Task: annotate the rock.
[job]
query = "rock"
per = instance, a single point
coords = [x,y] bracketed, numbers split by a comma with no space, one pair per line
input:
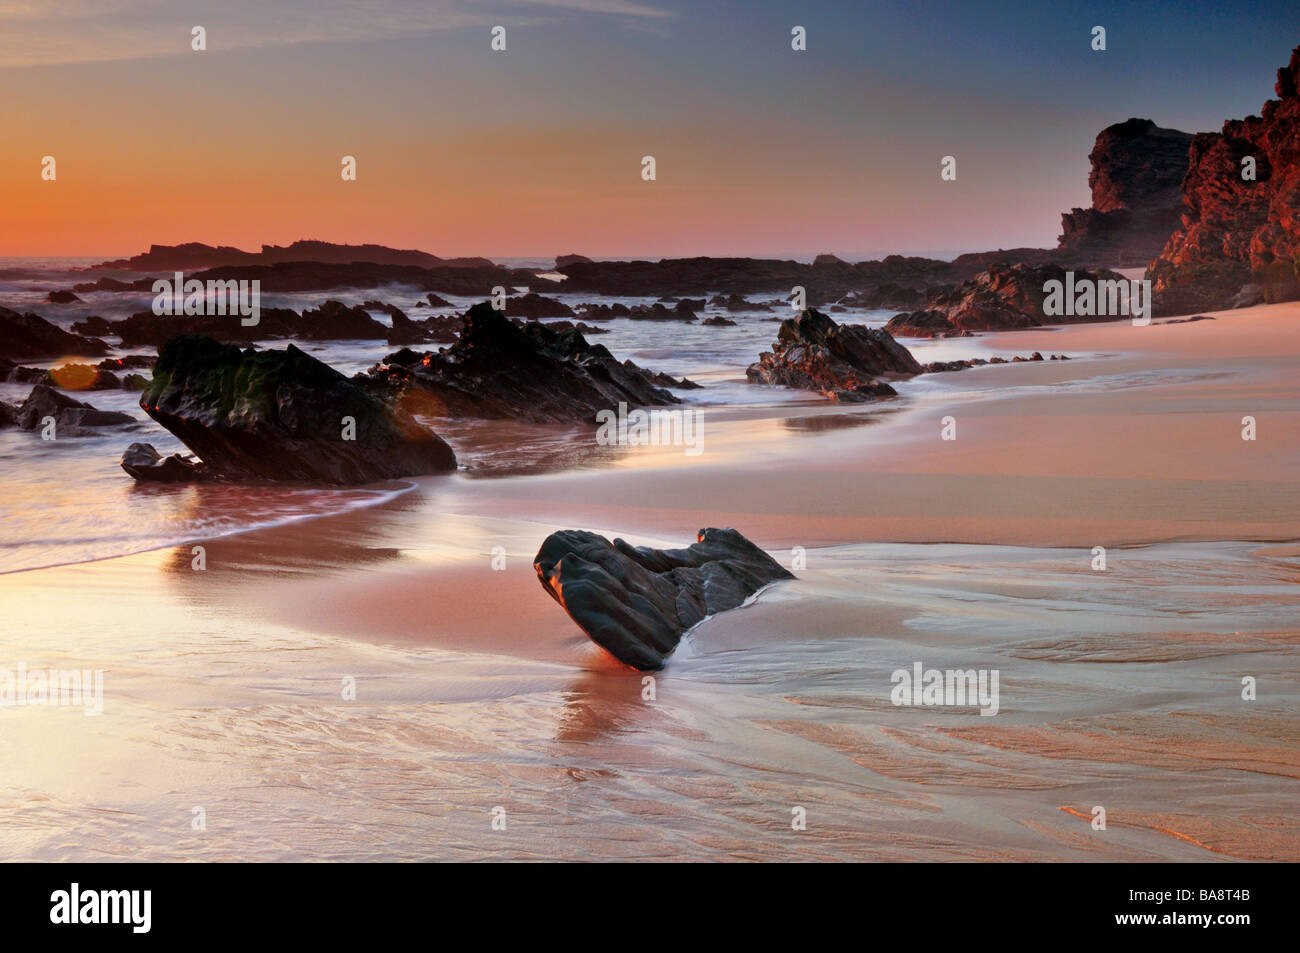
[1001,298]
[27,336]
[437,302]
[841,361]
[657,312]
[533,306]
[281,415]
[736,302]
[604,312]
[93,325]
[562,260]
[8,414]
[1238,232]
[61,297]
[636,602]
[194,255]
[71,417]
[498,369]
[405,331]
[1137,200]
[147,465]
[334,321]
[474,277]
[719,321]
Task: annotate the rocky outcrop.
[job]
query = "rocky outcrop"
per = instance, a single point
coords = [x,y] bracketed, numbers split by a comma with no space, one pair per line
[533,306]
[1000,299]
[846,362]
[1239,243]
[283,415]
[499,369]
[192,255]
[636,602]
[300,276]
[29,336]
[62,297]
[1137,199]
[72,418]
[562,260]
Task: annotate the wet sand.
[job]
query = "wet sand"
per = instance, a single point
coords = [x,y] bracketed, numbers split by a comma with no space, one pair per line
[1121,689]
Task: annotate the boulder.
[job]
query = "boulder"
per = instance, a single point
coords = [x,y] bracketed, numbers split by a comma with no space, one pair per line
[636,602]
[533,306]
[283,415]
[845,362]
[27,336]
[71,416]
[499,369]
[147,465]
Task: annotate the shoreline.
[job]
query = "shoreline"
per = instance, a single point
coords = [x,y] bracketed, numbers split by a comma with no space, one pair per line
[473,689]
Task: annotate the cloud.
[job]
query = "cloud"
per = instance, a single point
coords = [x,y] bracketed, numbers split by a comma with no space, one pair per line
[50,32]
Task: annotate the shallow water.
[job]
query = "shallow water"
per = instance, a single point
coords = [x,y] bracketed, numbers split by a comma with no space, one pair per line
[68,500]
[216,699]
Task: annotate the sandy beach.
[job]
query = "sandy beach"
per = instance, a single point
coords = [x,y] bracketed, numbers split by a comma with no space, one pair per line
[1122,688]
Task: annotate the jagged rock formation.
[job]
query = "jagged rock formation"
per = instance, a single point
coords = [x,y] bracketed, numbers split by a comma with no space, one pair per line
[282,415]
[1239,243]
[499,369]
[29,336]
[636,602]
[1137,198]
[845,362]
[1002,298]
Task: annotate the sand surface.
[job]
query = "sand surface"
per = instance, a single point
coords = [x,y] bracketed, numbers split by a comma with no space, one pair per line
[1119,689]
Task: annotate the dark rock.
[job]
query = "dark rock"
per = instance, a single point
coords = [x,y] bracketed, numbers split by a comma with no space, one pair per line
[533,306]
[71,417]
[562,260]
[279,415]
[61,297]
[498,369]
[842,361]
[27,336]
[93,325]
[8,414]
[1137,201]
[192,255]
[719,321]
[147,465]
[636,602]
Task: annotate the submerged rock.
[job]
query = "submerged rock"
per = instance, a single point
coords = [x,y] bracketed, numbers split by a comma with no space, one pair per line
[147,465]
[283,415]
[636,602]
[28,336]
[71,416]
[843,361]
[498,369]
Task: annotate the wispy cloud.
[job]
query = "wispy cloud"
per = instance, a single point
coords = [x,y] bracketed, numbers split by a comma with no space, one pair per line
[50,32]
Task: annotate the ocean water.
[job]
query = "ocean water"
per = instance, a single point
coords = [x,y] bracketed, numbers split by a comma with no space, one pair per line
[68,500]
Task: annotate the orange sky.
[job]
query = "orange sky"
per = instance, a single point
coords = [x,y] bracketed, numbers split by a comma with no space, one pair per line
[536,151]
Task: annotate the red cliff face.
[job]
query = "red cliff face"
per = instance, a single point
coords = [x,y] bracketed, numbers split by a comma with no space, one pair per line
[1240,238]
[1137,199]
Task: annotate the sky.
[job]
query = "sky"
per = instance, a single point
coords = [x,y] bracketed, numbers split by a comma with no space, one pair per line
[537,150]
